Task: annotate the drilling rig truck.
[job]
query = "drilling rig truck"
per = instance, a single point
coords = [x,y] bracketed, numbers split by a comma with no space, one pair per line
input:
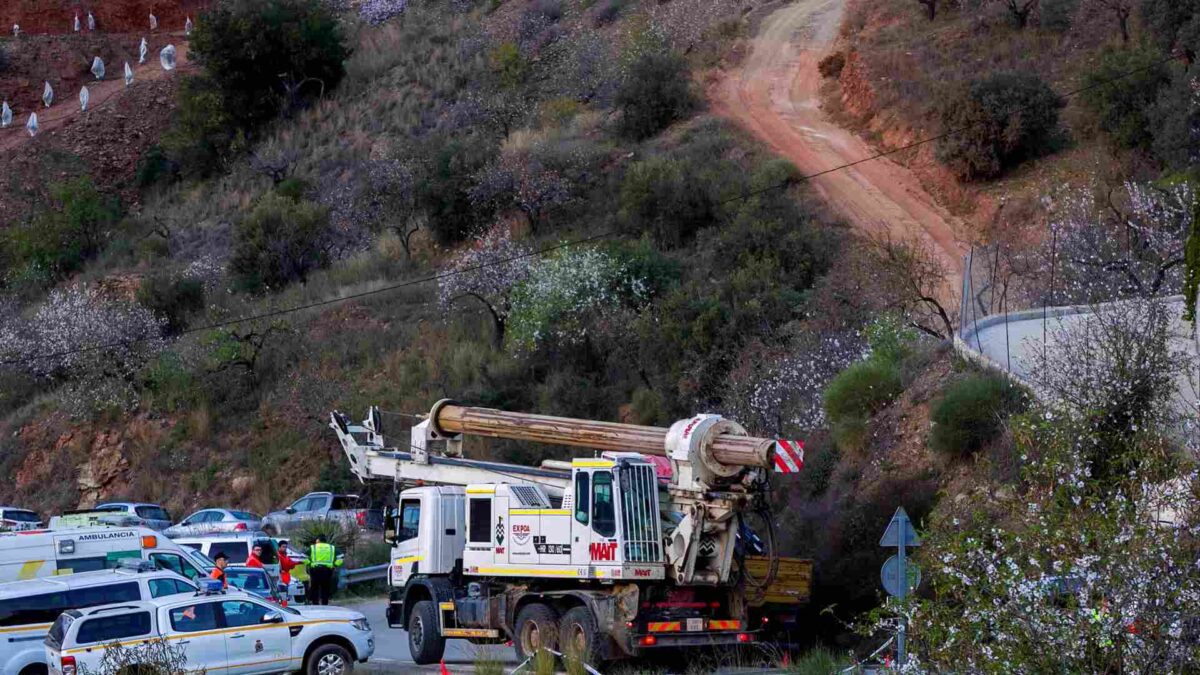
[645,545]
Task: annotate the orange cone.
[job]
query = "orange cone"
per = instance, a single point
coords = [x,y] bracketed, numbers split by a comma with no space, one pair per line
[444,671]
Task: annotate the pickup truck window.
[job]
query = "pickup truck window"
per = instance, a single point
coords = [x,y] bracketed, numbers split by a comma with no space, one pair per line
[116,627]
[306,504]
[240,613]
[163,587]
[343,502]
[152,513]
[410,519]
[193,618]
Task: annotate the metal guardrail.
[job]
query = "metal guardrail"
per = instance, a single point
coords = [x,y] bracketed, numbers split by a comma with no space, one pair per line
[361,574]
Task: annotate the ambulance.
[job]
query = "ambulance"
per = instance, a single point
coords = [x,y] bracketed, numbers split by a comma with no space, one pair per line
[43,553]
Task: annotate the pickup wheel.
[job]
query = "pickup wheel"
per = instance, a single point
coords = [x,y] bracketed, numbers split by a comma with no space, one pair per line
[537,628]
[329,659]
[425,641]
[580,636]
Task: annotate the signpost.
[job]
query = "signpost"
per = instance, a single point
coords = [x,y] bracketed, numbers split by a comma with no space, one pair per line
[899,576]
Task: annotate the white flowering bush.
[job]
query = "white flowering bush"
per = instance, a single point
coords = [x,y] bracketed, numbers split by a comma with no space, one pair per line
[376,12]
[94,346]
[564,291]
[487,271]
[1071,573]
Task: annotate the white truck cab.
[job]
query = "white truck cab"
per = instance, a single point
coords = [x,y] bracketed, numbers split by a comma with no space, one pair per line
[28,608]
[220,633]
[44,553]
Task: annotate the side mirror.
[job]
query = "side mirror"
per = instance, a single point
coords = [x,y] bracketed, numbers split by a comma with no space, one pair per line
[273,617]
[289,510]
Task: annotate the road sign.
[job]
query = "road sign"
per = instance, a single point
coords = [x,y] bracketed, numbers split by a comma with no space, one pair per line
[891,536]
[890,575]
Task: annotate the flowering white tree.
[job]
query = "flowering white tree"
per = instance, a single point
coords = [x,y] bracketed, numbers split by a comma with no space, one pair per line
[1073,574]
[93,345]
[1128,244]
[488,270]
[564,291]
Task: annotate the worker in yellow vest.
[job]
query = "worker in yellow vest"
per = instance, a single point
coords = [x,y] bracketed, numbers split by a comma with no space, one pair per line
[322,559]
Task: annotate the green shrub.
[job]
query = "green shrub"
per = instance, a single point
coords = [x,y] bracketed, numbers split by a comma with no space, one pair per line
[971,412]
[445,195]
[995,123]
[172,297]
[1124,87]
[1173,23]
[334,532]
[1174,121]
[890,339]
[818,661]
[507,63]
[267,56]
[861,390]
[278,242]
[167,386]
[60,239]
[832,65]
[202,134]
[655,92]
[663,198]
[154,167]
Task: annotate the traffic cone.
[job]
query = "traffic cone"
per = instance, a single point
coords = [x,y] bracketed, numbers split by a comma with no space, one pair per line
[444,671]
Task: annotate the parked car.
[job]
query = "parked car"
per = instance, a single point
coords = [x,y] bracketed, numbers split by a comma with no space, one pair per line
[218,632]
[255,581]
[13,519]
[28,608]
[152,516]
[215,520]
[345,509]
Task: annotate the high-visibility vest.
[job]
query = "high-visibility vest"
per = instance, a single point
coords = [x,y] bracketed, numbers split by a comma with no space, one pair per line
[322,555]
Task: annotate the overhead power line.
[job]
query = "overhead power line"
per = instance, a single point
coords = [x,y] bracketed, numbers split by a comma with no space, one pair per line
[791,180]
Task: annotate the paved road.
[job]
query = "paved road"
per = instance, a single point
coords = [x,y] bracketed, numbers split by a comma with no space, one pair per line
[391,647]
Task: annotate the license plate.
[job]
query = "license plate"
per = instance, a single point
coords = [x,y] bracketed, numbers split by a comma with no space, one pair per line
[695,624]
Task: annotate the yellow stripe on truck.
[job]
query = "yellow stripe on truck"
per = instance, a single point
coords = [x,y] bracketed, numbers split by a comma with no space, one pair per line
[724,624]
[27,627]
[202,633]
[539,512]
[29,570]
[409,559]
[530,572]
[664,626]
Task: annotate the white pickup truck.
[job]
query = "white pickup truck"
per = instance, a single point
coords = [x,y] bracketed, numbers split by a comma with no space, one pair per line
[220,633]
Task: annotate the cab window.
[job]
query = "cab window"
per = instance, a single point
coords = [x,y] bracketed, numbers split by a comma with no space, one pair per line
[581,497]
[481,521]
[410,519]
[42,608]
[109,628]
[174,563]
[240,613]
[193,618]
[604,515]
[164,587]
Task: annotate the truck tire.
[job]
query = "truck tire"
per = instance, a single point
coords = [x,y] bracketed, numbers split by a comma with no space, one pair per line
[537,627]
[425,641]
[329,659]
[580,637]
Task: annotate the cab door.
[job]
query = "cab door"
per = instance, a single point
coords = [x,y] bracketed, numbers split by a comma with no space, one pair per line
[253,644]
[594,519]
[194,628]
[407,554]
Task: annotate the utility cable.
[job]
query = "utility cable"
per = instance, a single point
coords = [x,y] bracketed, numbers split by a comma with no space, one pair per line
[791,180]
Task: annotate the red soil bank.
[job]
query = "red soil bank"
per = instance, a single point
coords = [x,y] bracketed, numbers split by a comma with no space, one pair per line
[112,16]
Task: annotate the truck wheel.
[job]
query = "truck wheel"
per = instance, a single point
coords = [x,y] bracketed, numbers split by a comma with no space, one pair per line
[579,636]
[329,659]
[425,641]
[537,628]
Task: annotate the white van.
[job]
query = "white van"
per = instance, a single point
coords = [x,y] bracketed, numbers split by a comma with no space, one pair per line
[45,553]
[237,546]
[28,608]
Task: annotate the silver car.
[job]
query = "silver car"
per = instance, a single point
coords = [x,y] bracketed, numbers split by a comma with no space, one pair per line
[152,516]
[211,521]
[348,510]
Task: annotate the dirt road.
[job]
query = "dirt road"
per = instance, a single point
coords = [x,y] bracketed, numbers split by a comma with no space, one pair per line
[775,95]
[101,95]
